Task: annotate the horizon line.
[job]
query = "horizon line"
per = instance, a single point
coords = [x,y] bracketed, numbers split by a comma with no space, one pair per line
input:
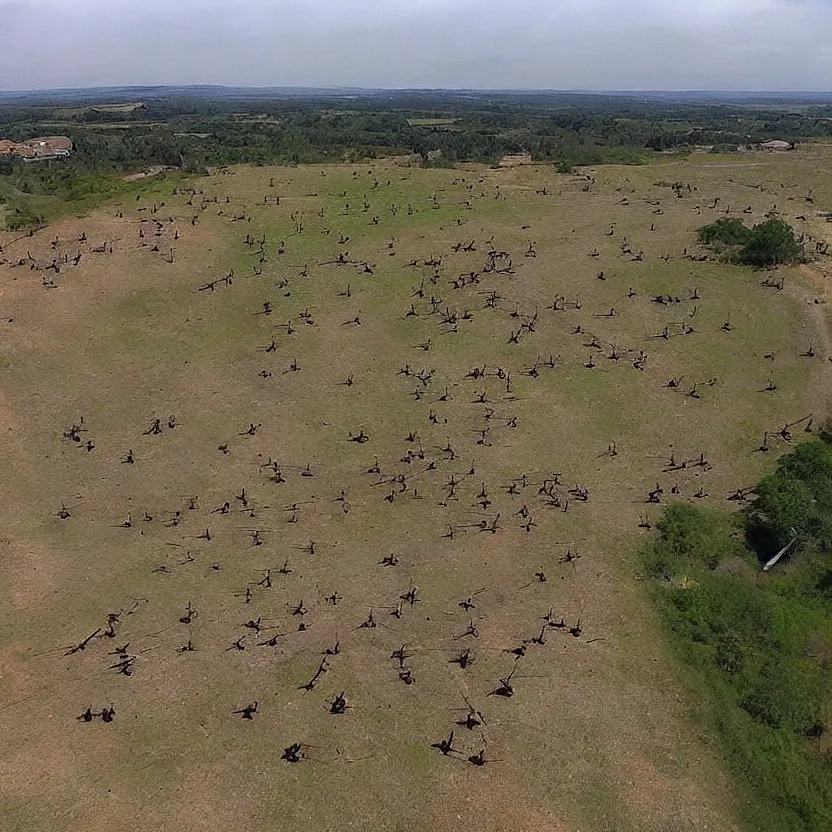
[353,88]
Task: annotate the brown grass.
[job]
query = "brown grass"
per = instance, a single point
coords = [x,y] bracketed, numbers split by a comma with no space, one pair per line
[599,734]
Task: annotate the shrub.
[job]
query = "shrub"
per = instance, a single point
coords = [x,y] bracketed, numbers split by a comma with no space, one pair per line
[697,535]
[770,244]
[21,218]
[725,232]
[796,499]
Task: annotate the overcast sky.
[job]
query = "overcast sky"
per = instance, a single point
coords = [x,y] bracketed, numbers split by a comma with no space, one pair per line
[543,44]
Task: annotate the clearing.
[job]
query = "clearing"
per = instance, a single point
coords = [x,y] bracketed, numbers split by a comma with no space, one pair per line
[263,452]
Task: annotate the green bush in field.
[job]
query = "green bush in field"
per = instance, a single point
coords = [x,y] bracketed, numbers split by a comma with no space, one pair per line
[769,243]
[795,500]
[725,232]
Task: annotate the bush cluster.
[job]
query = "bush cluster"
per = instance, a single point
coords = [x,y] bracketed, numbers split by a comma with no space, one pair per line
[759,643]
[769,243]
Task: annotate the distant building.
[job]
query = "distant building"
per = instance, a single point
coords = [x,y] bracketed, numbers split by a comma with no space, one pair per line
[777,145]
[51,143]
[42,147]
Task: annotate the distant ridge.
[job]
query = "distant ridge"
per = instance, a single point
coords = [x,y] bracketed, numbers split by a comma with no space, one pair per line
[121,93]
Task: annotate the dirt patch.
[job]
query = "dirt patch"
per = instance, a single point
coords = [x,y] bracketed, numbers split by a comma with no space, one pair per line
[154,170]
[30,573]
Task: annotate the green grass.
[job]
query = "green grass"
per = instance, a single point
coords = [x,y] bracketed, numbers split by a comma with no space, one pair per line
[36,197]
[602,811]
[744,638]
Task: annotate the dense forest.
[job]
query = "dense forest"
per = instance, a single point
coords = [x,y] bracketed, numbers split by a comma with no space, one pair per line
[196,132]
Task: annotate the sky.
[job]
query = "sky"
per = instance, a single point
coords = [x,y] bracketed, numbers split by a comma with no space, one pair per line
[474,44]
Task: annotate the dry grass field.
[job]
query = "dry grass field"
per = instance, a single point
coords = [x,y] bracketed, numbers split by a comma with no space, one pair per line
[392,437]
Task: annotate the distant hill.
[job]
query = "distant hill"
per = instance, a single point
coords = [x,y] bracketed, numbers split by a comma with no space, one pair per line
[207,91]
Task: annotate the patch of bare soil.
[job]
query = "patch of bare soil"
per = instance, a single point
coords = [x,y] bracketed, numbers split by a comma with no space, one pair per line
[153,170]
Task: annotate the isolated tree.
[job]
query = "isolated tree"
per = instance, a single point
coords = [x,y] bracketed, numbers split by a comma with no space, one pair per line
[795,500]
[782,508]
[770,243]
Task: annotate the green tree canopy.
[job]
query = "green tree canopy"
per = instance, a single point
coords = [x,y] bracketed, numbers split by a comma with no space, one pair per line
[725,231]
[768,243]
[797,496]
[771,243]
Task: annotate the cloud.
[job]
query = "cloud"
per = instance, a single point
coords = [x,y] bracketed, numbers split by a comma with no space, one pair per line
[572,44]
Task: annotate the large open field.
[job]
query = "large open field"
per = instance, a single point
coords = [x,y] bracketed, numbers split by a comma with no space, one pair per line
[392,437]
